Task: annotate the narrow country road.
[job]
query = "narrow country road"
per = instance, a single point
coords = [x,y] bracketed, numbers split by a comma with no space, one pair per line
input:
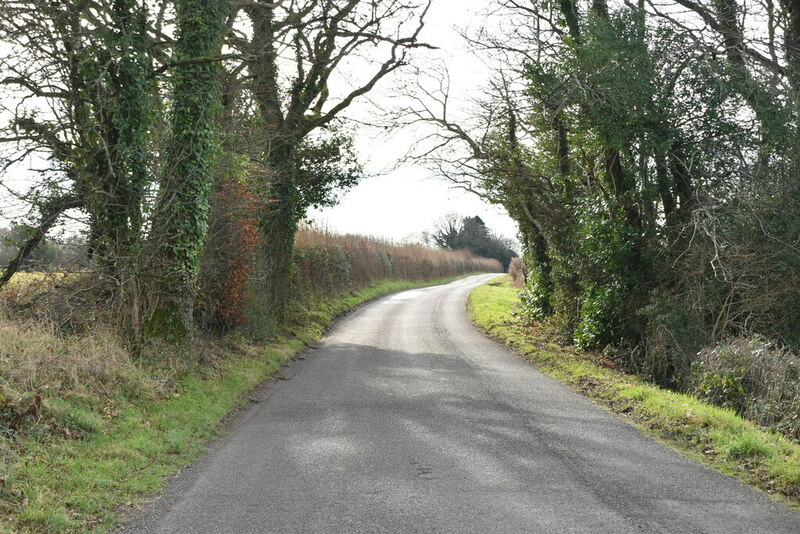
[407,419]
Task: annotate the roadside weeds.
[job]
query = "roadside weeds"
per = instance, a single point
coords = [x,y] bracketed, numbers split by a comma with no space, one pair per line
[713,436]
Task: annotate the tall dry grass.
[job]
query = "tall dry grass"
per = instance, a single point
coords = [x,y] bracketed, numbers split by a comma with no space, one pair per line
[516,270]
[35,357]
[328,262]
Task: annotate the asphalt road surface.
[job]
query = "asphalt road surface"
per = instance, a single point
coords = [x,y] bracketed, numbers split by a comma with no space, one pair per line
[407,419]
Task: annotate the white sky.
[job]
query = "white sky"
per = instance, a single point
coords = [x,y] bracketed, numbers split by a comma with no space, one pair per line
[402,203]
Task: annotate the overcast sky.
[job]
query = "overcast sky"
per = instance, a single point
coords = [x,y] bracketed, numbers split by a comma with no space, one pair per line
[405,202]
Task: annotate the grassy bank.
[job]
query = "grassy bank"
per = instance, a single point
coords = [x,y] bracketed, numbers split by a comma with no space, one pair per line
[75,453]
[714,436]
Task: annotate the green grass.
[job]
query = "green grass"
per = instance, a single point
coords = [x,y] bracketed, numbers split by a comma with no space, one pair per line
[54,484]
[714,436]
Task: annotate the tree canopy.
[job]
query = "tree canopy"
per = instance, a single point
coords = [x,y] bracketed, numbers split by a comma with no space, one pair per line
[649,153]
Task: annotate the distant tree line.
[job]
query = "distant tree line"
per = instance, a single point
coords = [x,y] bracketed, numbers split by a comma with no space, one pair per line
[52,253]
[454,232]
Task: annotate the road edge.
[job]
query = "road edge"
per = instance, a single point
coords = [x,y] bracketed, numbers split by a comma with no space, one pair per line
[687,425]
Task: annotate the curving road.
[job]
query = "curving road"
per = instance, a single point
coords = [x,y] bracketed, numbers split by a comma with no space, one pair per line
[407,419]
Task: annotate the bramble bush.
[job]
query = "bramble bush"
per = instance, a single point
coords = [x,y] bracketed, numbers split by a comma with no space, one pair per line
[754,377]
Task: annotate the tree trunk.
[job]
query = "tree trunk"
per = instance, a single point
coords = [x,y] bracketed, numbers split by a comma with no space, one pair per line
[279,226]
[180,223]
[664,188]
[279,219]
[682,180]
[769,113]
[570,13]
[792,49]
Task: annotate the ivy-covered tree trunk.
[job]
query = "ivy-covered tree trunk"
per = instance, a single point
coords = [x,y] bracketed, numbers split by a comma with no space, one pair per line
[119,200]
[279,218]
[320,35]
[101,142]
[132,82]
[279,226]
[538,267]
[538,271]
[181,220]
[114,88]
[765,103]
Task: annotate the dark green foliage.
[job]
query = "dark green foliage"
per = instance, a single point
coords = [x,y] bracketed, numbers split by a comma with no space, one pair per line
[471,233]
[651,177]
[326,168]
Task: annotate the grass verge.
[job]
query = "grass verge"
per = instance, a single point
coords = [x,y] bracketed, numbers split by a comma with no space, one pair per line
[115,451]
[713,436]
